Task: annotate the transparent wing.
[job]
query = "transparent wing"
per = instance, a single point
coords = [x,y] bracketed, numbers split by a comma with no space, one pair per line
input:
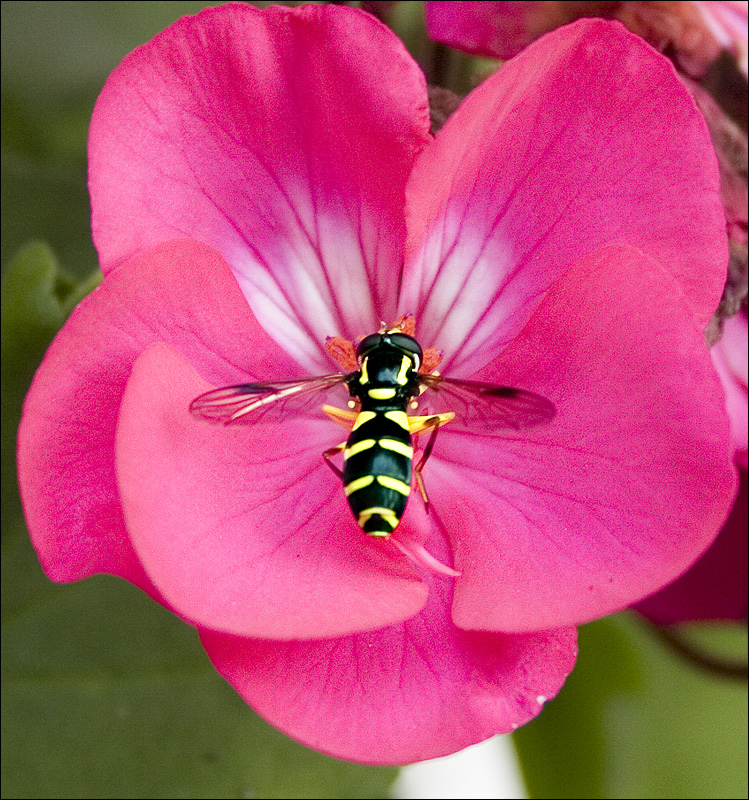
[268,402]
[480,406]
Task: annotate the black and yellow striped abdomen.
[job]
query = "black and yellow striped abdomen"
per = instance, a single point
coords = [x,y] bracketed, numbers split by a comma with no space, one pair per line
[377,469]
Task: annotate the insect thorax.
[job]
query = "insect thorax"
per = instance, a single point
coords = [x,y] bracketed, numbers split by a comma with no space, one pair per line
[387,380]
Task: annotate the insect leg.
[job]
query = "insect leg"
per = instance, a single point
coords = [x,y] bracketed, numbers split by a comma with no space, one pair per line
[420,425]
[341,416]
[328,453]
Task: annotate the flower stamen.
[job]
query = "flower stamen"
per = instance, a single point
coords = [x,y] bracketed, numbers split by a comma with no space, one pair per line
[418,555]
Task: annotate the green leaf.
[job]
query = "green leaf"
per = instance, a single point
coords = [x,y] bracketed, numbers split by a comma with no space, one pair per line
[36,299]
[32,292]
[635,720]
[106,694]
[50,198]
[32,313]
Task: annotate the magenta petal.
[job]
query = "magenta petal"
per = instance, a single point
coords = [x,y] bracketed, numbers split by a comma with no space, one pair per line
[730,360]
[734,346]
[494,29]
[66,438]
[715,588]
[231,128]
[560,152]
[244,529]
[405,693]
[726,21]
[623,490]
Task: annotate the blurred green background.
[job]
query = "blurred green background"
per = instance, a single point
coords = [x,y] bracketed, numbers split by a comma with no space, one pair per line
[105,694]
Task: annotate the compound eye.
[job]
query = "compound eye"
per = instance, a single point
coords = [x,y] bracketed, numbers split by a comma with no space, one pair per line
[368,343]
[408,345]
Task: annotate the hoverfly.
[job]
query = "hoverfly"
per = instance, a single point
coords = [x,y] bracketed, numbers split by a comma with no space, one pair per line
[378,455]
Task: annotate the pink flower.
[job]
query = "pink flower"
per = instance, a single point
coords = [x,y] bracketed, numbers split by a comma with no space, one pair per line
[492,29]
[730,359]
[698,32]
[715,588]
[728,23]
[261,180]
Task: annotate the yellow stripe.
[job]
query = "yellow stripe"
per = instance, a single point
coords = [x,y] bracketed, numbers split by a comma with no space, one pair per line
[406,365]
[363,417]
[358,447]
[399,418]
[397,447]
[394,484]
[364,378]
[384,512]
[387,516]
[359,483]
[381,534]
[381,394]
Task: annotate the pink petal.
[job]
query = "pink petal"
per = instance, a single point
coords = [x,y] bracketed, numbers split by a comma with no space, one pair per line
[715,588]
[244,529]
[623,490]
[408,692]
[728,22]
[734,347]
[562,151]
[231,127]
[181,293]
[736,404]
[494,29]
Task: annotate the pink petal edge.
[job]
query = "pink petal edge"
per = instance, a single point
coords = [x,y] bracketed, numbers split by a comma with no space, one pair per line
[408,692]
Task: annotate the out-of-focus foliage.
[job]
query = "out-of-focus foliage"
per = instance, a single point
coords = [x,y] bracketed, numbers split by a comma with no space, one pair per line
[636,720]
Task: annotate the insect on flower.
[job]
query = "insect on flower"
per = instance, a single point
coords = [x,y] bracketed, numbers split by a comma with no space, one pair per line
[393,372]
